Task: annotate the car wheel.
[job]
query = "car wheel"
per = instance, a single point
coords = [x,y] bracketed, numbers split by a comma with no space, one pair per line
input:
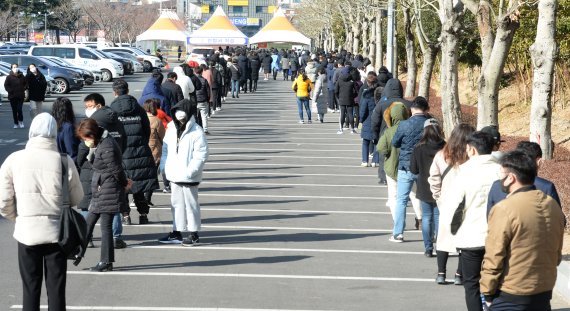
[61,86]
[147,66]
[106,75]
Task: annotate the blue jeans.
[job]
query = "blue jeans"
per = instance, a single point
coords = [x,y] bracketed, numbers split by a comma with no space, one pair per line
[235,87]
[368,146]
[406,181]
[303,101]
[117,225]
[430,221]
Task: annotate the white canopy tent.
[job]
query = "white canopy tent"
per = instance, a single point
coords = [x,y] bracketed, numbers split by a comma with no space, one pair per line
[218,30]
[279,30]
[168,27]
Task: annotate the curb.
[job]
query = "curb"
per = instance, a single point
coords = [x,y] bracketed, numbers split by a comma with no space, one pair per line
[562,286]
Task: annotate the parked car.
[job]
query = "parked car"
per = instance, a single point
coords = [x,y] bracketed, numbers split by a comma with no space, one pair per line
[65,79]
[83,57]
[149,62]
[90,77]
[128,68]
[137,65]
[5,71]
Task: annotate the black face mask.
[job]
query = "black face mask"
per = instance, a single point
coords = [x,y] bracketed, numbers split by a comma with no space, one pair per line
[504,188]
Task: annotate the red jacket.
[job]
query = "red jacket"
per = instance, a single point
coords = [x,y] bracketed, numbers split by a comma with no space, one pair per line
[163,117]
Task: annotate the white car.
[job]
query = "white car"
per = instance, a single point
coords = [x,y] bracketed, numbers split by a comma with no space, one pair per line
[3,74]
[149,62]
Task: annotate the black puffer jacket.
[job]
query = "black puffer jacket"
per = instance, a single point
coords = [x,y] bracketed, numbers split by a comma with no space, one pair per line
[244,67]
[393,92]
[137,158]
[255,63]
[266,63]
[344,90]
[107,119]
[16,85]
[37,86]
[203,94]
[109,179]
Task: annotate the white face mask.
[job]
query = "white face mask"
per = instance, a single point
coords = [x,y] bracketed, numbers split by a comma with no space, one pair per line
[33,70]
[180,116]
[90,111]
[89,143]
[15,70]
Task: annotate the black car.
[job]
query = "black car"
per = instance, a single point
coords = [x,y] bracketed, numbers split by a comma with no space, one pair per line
[65,79]
[128,68]
[88,76]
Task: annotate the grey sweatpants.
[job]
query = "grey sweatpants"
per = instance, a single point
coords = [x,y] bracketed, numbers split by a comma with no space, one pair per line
[203,109]
[185,208]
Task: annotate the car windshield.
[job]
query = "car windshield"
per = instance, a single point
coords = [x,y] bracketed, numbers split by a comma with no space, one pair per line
[48,62]
[125,55]
[99,53]
[139,51]
[202,51]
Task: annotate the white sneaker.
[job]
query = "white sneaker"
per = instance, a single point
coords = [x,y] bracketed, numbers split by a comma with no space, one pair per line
[21,125]
[364,164]
[330,110]
[223,99]
[213,112]
[132,204]
[397,239]
[374,165]
[265,79]
[301,122]
[15,126]
[218,109]
[353,131]
[309,121]
[339,132]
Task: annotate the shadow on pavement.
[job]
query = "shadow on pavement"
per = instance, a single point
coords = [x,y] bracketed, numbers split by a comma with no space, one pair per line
[292,237]
[215,263]
[220,220]
[252,177]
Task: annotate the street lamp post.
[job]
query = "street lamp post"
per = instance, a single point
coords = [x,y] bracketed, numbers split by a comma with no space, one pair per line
[45,27]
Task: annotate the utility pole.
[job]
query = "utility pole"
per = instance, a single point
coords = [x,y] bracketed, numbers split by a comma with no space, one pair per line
[390,40]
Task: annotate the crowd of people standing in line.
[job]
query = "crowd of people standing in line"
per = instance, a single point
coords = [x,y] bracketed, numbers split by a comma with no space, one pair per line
[488,206]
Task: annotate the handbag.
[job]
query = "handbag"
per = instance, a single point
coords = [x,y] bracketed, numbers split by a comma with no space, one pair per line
[458,217]
[72,227]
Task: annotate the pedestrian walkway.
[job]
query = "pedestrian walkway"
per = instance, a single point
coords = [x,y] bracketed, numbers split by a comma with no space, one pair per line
[290,222]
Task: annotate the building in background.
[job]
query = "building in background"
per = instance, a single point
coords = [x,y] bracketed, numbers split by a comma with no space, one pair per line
[248,15]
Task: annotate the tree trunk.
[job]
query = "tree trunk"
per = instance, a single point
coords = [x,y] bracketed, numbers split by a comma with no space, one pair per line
[427,69]
[364,33]
[372,46]
[410,55]
[451,21]
[543,53]
[379,53]
[355,37]
[488,101]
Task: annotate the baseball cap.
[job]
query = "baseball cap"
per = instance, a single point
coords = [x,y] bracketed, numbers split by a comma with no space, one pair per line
[431,121]
[494,132]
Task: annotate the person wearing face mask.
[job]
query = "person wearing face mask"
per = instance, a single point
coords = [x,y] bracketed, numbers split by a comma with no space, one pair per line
[137,157]
[524,241]
[16,86]
[106,118]
[108,187]
[468,200]
[37,86]
[31,195]
[186,149]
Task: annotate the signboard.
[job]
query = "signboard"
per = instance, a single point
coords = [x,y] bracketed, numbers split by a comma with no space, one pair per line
[253,21]
[216,41]
[271,9]
[205,8]
[239,21]
[238,2]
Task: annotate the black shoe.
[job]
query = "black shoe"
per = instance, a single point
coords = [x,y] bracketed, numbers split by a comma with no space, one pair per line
[418,224]
[458,279]
[237,96]
[127,220]
[143,220]
[90,244]
[119,243]
[149,203]
[166,190]
[102,267]
[429,254]
[171,238]
[233,96]
[191,240]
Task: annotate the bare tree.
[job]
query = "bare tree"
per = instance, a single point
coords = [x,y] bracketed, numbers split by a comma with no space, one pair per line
[543,53]
[410,53]
[429,49]
[68,16]
[451,16]
[7,21]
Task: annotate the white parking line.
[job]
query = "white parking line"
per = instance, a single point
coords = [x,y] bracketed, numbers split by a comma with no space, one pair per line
[281,149]
[279,184]
[280,196]
[280,164]
[255,276]
[263,155]
[115,308]
[295,211]
[312,229]
[284,174]
[270,249]
[271,143]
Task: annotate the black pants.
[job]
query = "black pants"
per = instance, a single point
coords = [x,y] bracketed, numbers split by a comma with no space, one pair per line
[471,261]
[214,102]
[332,103]
[35,262]
[275,74]
[501,305]
[347,112]
[285,74]
[107,246]
[293,74]
[381,172]
[442,262]
[140,202]
[253,85]
[17,104]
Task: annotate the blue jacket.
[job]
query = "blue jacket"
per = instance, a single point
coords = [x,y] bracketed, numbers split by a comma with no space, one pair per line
[276,62]
[407,137]
[366,109]
[496,195]
[153,89]
[330,76]
[67,142]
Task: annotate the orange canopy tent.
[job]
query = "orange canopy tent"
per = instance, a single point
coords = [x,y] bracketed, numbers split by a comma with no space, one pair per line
[278,30]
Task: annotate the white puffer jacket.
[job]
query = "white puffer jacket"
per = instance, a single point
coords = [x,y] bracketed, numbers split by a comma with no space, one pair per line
[473,182]
[184,82]
[31,185]
[186,156]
